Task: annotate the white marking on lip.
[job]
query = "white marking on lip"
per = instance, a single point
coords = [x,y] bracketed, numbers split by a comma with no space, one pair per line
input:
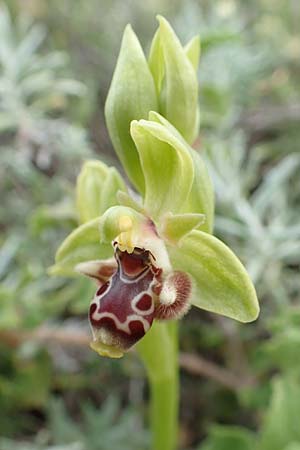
[123,326]
[136,309]
[134,280]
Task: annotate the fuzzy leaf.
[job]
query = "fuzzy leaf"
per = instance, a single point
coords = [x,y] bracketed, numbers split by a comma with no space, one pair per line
[221,283]
[131,96]
[167,166]
[83,244]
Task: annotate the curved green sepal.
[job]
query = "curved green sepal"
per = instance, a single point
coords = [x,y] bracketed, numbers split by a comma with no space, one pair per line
[222,284]
[96,190]
[174,227]
[131,96]
[167,166]
[83,244]
[176,81]
[201,197]
[120,219]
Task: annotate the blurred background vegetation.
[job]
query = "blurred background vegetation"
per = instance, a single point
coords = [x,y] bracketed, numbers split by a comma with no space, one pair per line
[240,384]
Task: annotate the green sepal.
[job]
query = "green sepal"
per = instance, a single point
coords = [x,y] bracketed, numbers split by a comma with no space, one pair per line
[96,190]
[176,81]
[174,227]
[119,219]
[167,166]
[83,244]
[131,96]
[201,197]
[221,283]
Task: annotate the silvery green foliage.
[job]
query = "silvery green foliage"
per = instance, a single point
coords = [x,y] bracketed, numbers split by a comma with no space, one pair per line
[31,84]
[102,428]
[256,213]
[33,87]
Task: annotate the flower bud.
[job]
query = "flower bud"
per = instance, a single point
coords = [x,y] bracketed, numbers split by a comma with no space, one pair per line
[97,187]
[174,70]
[131,96]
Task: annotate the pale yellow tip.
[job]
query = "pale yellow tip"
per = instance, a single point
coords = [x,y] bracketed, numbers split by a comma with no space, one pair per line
[106,350]
[125,223]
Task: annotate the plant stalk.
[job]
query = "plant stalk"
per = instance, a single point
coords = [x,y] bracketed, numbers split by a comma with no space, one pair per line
[159,352]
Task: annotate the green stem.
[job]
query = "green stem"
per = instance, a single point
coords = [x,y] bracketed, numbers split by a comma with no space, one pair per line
[159,352]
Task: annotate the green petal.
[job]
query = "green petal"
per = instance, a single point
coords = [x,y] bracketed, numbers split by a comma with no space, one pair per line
[167,166]
[118,219]
[131,96]
[83,244]
[201,197]
[96,190]
[174,227]
[176,81]
[222,284]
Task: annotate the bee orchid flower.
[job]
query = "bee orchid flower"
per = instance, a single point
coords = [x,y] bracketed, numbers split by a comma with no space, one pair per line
[153,259]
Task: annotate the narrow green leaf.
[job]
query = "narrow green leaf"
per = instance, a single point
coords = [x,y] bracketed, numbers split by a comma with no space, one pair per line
[83,244]
[97,186]
[167,166]
[131,96]
[201,197]
[221,283]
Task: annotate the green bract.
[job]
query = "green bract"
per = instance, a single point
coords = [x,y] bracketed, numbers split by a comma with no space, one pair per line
[167,83]
[176,79]
[131,96]
[167,166]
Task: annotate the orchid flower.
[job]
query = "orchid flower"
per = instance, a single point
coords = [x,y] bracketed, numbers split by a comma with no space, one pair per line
[151,251]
